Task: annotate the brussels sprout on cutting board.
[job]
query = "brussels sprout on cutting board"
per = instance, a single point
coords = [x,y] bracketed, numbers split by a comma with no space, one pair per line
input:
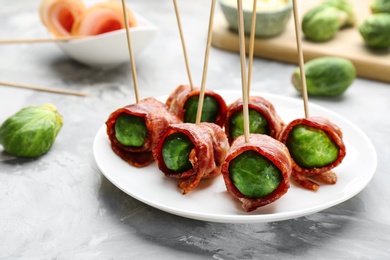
[322,22]
[326,76]
[375,31]
[31,132]
[380,6]
[348,18]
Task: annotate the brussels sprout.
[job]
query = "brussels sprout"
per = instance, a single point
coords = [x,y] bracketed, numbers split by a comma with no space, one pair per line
[380,6]
[311,147]
[258,124]
[210,109]
[321,23]
[375,31]
[176,152]
[254,175]
[348,18]
[31,132]
[326,76]
[130,130]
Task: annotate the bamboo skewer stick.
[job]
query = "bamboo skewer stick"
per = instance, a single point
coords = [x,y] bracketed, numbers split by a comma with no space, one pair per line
[251,45]
[300,57]
[183,44]
[133,69]
[205,66]
[52,90]
[42,40]
[243,69]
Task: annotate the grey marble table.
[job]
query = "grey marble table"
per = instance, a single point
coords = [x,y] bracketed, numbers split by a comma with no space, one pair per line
[60,206]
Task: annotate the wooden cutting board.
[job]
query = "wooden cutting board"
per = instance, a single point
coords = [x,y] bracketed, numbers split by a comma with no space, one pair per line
[348,43]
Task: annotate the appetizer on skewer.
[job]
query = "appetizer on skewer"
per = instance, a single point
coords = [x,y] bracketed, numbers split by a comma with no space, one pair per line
[263,118]
[191,152]
[257,172]
[257,167]
[316,147]
[183,102]
[134,129]
[315,143]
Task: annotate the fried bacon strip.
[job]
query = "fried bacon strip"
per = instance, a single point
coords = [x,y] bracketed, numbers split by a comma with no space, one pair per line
[59,15]
[261,105]
[178,98]
[323,174]
[157,118]
[271,149]
[211,146]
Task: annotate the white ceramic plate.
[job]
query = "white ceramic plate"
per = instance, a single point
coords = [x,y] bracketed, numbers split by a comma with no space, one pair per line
[211,202]
[110,50]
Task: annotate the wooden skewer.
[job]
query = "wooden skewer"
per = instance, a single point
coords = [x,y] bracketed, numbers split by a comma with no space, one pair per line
[300,57]
[205,66]
[243,69]
[251,45]
[183,44]
[52,90]
[133,70]
[39,40]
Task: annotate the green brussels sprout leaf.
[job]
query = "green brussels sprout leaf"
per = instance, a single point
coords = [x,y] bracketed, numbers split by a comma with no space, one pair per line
[210,109]
[130,130]
[258,124]
[311,147]
[176,152]
[254,175]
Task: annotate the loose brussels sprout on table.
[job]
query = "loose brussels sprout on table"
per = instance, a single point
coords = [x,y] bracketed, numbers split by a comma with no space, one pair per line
[322,22]
[31,132]
[375,31]
[326,76]
[380,6]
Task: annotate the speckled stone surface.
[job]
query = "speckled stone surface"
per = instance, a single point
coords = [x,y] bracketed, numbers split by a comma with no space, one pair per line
[60,206]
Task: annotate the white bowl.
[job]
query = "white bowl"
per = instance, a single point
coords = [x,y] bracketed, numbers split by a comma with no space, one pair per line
[269,23]
[110,50]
